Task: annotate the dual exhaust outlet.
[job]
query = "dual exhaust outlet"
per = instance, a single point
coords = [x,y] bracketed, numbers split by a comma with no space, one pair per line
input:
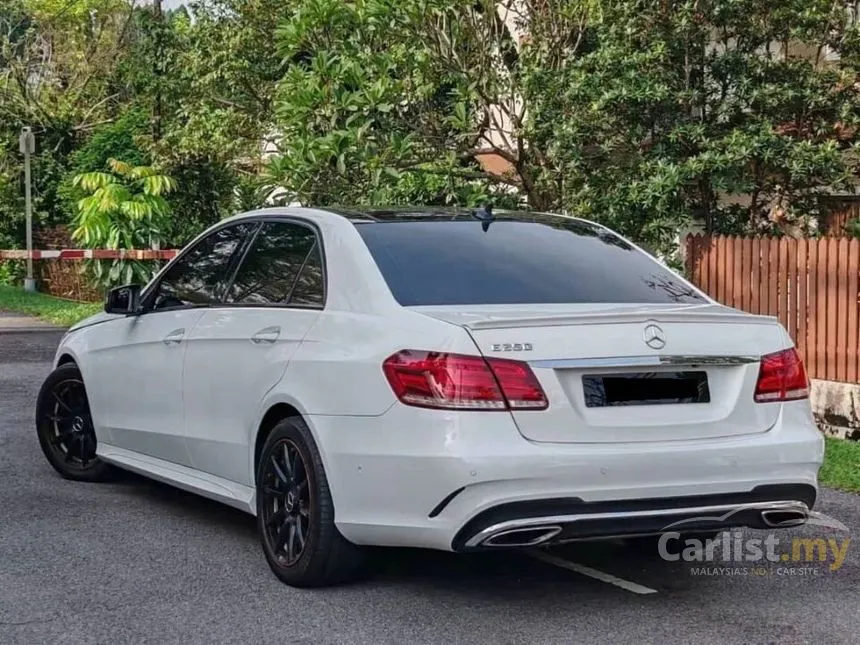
[522,537]
[780,515]
[783,518]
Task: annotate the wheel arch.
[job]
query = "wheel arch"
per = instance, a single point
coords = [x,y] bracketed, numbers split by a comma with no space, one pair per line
[66,358]
[68,351]
[274,412]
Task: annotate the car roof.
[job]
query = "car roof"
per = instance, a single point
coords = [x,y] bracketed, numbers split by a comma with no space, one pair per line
[441,214]
[407,214]
[360,215]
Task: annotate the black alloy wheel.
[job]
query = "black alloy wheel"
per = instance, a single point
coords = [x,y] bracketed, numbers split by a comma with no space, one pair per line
[295,512]
[65,427]
[286,502]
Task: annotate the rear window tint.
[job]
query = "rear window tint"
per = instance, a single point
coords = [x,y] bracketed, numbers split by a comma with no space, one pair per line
[556,260]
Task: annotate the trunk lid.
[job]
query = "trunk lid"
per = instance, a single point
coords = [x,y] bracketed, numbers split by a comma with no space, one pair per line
[571,348]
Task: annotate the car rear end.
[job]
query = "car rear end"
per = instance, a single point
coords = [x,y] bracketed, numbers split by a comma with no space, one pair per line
[605,396]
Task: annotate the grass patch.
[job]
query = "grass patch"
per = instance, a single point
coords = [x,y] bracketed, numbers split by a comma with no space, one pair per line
[841,464]
[50,309]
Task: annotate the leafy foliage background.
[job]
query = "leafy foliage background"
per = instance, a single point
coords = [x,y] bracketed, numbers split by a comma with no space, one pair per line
[644,115]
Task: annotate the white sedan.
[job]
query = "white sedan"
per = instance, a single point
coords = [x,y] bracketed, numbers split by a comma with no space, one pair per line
[456,380]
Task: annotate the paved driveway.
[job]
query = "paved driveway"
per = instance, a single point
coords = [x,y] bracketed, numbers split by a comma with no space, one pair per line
[139,562]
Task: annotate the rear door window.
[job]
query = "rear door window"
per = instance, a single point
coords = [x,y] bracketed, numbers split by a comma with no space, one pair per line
[554,260]
[283,266]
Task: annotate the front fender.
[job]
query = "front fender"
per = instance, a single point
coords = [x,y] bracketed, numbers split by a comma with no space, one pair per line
[65,352]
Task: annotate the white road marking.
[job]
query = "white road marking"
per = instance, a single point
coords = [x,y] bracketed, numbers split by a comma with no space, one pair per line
[591,573]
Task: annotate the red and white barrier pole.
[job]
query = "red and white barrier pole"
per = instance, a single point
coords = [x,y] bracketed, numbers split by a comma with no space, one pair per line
[89,254]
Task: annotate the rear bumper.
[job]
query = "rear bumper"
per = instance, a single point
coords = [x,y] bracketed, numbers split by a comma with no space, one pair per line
[520,524]
[434,479]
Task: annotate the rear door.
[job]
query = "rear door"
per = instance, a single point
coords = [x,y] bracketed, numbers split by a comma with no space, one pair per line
[238,351]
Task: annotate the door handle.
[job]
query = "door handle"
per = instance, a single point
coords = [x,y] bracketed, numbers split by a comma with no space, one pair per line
[174,338]
[266,335]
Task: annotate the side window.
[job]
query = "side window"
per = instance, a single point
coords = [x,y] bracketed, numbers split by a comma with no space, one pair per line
[309,288]
[283,266]
[200,276]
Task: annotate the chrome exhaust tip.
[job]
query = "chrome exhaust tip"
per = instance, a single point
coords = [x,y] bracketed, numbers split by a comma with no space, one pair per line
[783,518]
[531,536]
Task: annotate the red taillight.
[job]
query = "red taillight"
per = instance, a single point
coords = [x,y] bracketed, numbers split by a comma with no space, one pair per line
[781,377]
[460,382]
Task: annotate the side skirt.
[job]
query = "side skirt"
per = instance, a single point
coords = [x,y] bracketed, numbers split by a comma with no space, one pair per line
[193,481]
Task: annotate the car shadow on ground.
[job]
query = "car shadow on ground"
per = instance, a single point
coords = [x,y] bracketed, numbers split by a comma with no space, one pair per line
[176,501]
[508,576]
[501,573]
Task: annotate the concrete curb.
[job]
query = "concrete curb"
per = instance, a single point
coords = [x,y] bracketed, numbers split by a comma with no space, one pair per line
[11,322]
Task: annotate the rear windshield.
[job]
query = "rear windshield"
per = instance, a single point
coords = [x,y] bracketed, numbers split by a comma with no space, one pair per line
[557,260]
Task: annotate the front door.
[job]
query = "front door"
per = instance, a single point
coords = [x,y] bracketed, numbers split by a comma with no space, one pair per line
[135,374]
[134,381]
[239,351]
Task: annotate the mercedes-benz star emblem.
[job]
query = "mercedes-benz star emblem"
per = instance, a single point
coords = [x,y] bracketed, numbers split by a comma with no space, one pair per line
[654,337]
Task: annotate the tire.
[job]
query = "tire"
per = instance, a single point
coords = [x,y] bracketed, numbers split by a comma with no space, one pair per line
[65,429]
[292,490]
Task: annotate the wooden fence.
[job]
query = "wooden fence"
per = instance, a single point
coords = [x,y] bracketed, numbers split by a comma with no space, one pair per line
[811,285]
[841,210]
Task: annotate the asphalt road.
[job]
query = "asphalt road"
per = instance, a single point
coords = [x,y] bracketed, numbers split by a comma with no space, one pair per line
[139,562]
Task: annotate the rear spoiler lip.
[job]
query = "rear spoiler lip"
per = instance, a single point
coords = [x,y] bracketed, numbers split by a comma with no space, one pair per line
[495,317]
[729,317]
[613,318]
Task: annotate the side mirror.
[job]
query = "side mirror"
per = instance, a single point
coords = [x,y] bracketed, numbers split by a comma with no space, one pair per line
[123,300]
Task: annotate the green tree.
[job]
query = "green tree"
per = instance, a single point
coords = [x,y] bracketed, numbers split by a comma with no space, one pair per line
[215,70]
[636,113]
[389,101]
[124,208]
[58,63]
[640,114]
[681,108]
[220,76]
